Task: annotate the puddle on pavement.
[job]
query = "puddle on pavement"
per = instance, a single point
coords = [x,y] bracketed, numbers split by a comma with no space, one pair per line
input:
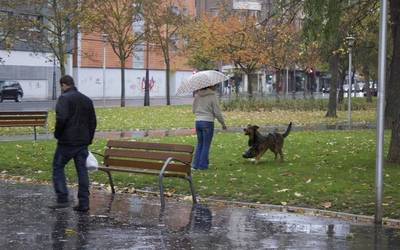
[132,222]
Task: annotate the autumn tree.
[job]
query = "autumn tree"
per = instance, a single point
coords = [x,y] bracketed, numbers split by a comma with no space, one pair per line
[230,39]
[115,18]
[163,20]
[285,50]
[7,24]
[52,27]
[366,51]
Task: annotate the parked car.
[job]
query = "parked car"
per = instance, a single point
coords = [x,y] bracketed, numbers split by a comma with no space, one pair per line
[11,90]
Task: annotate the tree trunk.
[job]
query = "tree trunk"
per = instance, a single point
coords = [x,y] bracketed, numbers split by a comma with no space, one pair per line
[353,81]
[249,85]
[123,83]
[393,87]
[367,89]
[342,77]
[334,68]
[61,61]
[394,147]
[393,83]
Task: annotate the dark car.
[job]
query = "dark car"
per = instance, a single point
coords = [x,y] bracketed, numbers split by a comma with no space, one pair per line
[11,90]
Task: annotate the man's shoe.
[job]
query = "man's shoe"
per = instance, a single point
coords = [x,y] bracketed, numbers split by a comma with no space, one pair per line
[81,209]
[59,205]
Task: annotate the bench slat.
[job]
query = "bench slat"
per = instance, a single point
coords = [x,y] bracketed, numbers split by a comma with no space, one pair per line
[150,155]
[143,171]
[23,113]
[146,165]
[21,123]
[151,146]
[22,117]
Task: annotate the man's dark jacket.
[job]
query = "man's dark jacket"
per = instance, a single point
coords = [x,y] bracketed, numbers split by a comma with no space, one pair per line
[75,119]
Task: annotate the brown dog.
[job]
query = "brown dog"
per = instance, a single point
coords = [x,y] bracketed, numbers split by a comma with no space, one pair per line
[259,143]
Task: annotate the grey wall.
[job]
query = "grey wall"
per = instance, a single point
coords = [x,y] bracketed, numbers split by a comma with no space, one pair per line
[11,72]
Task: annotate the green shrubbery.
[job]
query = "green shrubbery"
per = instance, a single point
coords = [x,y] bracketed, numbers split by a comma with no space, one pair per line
[243,104]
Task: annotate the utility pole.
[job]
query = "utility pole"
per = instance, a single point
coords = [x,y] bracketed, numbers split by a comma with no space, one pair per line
[380,125]
[104,36]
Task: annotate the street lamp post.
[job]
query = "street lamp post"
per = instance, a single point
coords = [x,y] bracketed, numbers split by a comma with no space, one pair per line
[350,42]
[54,94]
[104,36]
[147,80]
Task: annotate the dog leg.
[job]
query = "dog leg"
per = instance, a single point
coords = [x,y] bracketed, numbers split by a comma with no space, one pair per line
[257,159]
[281,155]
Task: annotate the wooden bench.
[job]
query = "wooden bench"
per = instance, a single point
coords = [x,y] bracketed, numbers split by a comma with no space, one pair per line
[24,119]
[162,159]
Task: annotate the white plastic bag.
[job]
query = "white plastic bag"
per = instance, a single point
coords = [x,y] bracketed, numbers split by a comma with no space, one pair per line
[91,162]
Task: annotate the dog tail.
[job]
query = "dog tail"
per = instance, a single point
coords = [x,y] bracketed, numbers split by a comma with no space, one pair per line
[287,130]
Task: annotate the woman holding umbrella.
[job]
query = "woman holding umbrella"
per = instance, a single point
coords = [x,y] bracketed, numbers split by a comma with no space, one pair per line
[206,109]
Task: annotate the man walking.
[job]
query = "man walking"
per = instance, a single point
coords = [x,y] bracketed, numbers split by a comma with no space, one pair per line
[74,131]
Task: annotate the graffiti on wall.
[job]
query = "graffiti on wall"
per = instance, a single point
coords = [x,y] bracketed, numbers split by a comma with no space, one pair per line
[140,84]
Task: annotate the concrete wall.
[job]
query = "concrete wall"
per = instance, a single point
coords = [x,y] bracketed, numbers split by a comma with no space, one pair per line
[35,73]
[91,82]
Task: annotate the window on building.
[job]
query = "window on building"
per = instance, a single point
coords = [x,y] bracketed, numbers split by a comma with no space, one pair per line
[30,27]
[4,16]
[175,10]
[138,56]
[174,40]
[213,11]
[185,11]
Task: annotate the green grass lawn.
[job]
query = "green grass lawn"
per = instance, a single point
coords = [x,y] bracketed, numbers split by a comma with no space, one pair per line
[323,169]
[180,116]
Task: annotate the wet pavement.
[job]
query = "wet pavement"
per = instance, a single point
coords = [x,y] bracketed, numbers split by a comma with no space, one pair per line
[125,221]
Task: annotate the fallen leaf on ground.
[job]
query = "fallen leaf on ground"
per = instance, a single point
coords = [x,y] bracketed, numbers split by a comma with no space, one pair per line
[298,194]
[283,190]
[327,204]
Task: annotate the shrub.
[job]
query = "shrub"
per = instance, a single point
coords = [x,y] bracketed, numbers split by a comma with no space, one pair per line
[258,104]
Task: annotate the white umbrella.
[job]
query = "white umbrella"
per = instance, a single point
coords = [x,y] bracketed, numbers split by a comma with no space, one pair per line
[199,80]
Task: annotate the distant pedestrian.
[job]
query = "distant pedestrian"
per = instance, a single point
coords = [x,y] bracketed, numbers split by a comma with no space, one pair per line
[74,130]
[206,109]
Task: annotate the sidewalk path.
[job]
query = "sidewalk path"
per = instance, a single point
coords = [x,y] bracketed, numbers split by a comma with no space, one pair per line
[125,221]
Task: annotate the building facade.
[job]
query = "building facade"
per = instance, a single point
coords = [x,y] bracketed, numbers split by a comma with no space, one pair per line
[94,66]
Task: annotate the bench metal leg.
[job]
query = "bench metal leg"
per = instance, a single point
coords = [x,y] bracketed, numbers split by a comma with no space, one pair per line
[161,176]
[189,178]
[34,132]
[111,182]
[160,182]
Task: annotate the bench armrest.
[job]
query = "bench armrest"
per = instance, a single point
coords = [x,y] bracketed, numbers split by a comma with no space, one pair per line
[173,159]
[168,161]
[95,153]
